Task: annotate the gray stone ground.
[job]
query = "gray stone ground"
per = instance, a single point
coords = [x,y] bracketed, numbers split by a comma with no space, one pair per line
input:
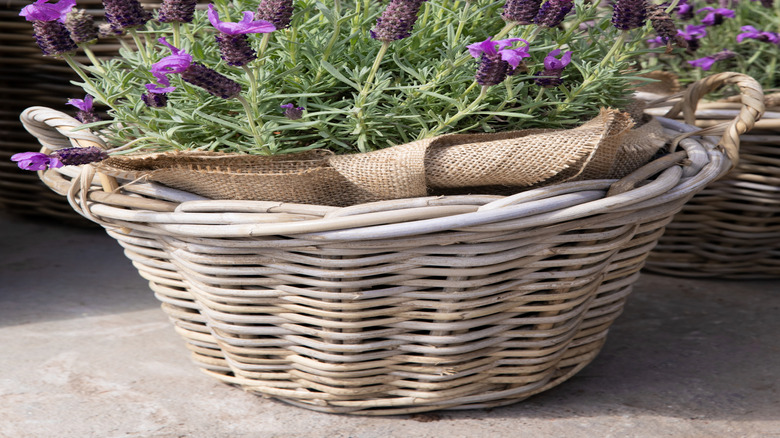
[86,352]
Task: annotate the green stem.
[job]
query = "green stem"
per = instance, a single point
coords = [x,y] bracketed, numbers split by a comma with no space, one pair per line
[92,58]
[264,45]
[252,84]
[250,116]
[79,71]
[139,45]
[462,19]
[371,74]
[176,34]
[460,114]
[335,37]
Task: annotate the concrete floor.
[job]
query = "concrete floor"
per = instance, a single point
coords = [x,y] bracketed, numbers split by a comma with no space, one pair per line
[86,352]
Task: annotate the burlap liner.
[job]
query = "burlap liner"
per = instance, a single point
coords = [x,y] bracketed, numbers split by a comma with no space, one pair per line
[605,147]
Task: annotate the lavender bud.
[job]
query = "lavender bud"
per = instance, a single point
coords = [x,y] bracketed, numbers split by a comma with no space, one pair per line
[552,12]
[180,11]
[53,38]
[292,112]
[76,156]
[107,30]
[211,81]
[155,100]
[81,27]
[87,117]
[278,12]
[397,20]
[125,13]
[521,11]
[492,69]
[235,49]
[629,14]
[767,3]
[664,25]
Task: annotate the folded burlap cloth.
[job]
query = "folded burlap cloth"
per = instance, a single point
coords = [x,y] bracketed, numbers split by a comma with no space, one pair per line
[605,147]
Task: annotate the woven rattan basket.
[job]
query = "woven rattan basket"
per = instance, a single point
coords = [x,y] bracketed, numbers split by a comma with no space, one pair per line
[732,228]
[399,306]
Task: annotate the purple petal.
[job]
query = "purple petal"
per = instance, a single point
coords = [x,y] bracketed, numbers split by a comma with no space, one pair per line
[704,63]
[487,47]
[31,160]
[43,11]
[246,25]
[82,104]
[157,89]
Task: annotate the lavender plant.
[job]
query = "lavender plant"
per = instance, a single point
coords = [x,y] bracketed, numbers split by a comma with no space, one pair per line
[280,76]
[732,35]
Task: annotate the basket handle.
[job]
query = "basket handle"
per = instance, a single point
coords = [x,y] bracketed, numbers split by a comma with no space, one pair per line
[752,99]
[55,130]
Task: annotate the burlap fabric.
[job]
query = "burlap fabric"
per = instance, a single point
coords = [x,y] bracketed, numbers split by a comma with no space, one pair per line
[605,147]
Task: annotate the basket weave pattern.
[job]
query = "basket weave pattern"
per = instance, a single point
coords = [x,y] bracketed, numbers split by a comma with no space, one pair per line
[399,306]
[732,228]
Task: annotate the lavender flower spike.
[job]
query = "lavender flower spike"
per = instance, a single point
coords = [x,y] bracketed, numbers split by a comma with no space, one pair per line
[553,67]
[278,12]
[156,97]
[521,11]
[707,62]
[496,57]
[50,33]
[85,114]
[125,14]
[397,20]
[59,158]
[292,112]
[553,12]
[716,15]
[81,27]
[232,38]
[629,14]
[176,11]
[41,10]
[753,33]
[180,62]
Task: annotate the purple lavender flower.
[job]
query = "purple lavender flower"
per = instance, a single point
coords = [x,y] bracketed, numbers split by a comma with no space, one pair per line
[125,14]
[85,114]
[685,11]
[767,3]
[553,67]
[232,38]
[397,20]
[181,62]
[716,15]
[35,161]
[49,32]
[176,11]
[753,33]
[292,112]
[41,10]
[707,62]
[156,97]
[81,27]
[552,12]
[521,11]
[629,14]
[496,57]
[692,34]
[278,12]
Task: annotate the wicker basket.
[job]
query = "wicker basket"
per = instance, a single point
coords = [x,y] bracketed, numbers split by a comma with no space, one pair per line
[400,306]
[732,228]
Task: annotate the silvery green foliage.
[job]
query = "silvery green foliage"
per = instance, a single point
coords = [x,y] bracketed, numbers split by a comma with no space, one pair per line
[423,85]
